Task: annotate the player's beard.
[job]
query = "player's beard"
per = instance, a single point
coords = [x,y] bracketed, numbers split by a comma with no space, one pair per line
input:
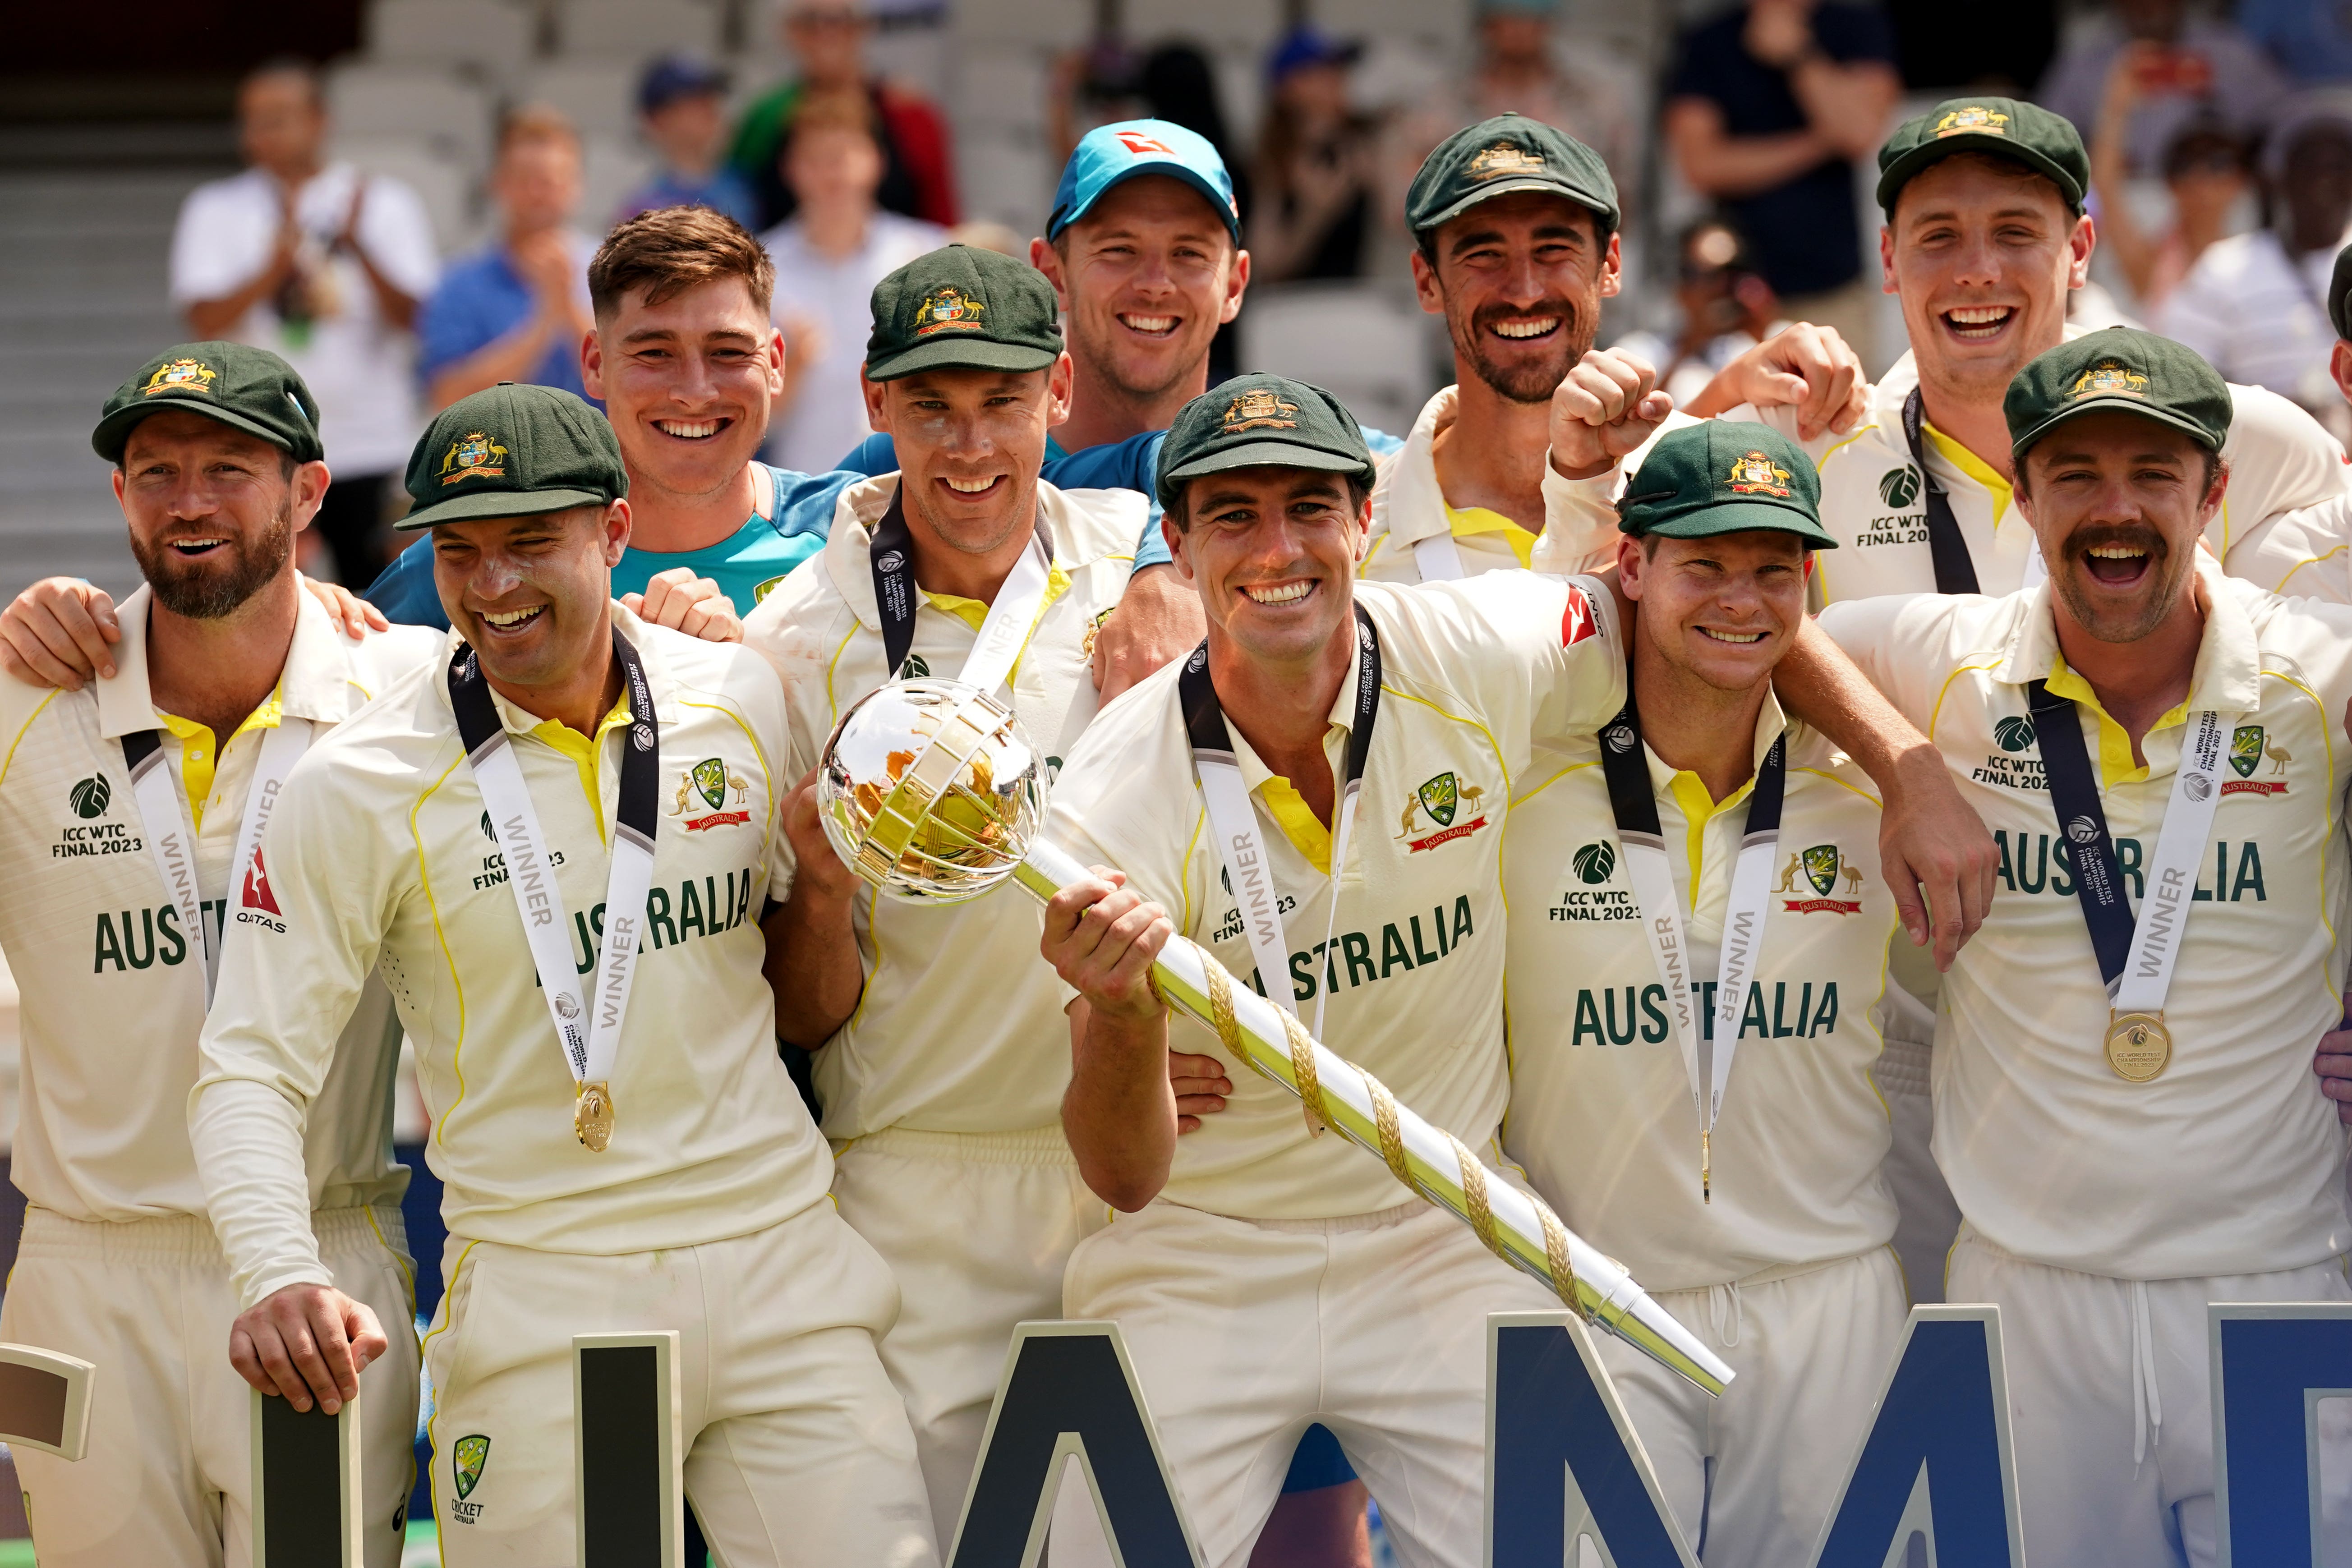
[2129,623]
[1533,380]
[209,587]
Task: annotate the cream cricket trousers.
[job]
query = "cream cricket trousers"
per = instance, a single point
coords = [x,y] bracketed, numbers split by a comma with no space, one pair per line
[167,1481]
[1926,1214]
[977,1228]
[2110,1400]
[1758,1468]
[797,1450]
[1244,1333]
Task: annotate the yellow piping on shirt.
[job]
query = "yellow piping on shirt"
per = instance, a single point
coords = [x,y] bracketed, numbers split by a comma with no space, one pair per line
[832,666]
[38,708]
[1841,446]
[2306,560]
[424,879]
[1936,710]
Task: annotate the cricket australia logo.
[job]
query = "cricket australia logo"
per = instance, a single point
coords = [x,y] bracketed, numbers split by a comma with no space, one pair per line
[1441,799]
[1823,868]
[473,456]
[466,1457]
[2249,746]
[711,781]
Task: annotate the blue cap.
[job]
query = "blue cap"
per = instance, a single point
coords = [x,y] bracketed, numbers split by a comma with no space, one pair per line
[674,77]
[1306,45]
[1109,154]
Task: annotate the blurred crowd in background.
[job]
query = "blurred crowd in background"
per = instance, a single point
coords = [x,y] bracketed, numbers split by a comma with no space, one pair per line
[398,278]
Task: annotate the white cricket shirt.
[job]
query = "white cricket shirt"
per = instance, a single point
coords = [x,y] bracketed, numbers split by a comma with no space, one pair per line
[1601,1114]
[112,987]
[2231,1162]
[960,1027]
[1472,673]
[378,854]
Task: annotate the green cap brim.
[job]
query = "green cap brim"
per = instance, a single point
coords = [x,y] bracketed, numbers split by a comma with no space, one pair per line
[1742,517]
[961,353]
[1560,188]
[1901,171]
[499,503]
[1269,455]
[2139,405]
[113,432]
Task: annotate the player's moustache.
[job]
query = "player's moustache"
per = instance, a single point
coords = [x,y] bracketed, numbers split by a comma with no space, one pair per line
[2131,535]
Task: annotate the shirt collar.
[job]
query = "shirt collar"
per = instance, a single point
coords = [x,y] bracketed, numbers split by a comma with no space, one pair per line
[1340,725]
[849,549]
[1771,722]
[2228,677]
[315,683]
[1406,498]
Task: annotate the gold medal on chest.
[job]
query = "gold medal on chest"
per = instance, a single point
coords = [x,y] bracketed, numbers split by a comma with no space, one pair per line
[592,1116]
[2139,1047]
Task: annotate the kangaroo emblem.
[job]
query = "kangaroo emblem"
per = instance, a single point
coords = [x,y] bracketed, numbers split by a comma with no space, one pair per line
[1789,874]
[2280,756]
[1412,810]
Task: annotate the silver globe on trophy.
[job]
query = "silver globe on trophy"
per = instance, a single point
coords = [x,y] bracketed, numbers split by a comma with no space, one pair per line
[930,792]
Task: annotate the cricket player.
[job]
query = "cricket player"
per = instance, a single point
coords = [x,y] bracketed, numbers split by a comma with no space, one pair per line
[1279,1279]
[942,1053]
[2155,746]
[1701,1107]
[557,840]
[1514,226]
[2307,553]
[128,813]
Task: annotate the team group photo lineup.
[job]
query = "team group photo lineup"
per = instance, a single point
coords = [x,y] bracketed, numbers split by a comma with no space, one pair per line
[880,785]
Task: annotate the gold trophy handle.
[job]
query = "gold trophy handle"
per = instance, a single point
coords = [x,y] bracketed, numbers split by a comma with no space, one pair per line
[1514,1223]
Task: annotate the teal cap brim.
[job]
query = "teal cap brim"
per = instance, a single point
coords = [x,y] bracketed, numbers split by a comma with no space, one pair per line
[501,503]
[960,353]
[113,432]
[1173,170]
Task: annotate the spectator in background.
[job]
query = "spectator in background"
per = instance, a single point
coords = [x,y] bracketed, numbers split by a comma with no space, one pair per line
[1521,70]
[2255,304]
[324,266]
[2205,173]
[1728,309]
[1317,169]
[1766,110]
[828,256]
[2187,70]
[828,38]
[681,105]
[2311,40]
[518,309]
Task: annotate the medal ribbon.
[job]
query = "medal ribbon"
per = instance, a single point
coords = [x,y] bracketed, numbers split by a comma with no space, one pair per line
[1707,1063]
[1956,573]
[1004,632]
[590,1044]
[171,834]
[1233,815]
[2136,955]
[1438,558]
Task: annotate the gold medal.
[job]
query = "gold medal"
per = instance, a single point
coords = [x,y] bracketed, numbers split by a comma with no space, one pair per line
[592,1116]
[2139,1047]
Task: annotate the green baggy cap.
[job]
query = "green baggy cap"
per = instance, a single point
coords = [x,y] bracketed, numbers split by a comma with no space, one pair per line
[247,388]
[1260,421]
[961,306]
[1495,157]
[1723,476]
[2024,134]
[513,452]
[2118,367]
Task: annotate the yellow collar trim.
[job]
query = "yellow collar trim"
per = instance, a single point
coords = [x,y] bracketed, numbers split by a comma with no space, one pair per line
[200,756]
[587,756]
[2116,764]
[1297,821]
[973,613]
[1468,521]
[1699,808]
[1976,468]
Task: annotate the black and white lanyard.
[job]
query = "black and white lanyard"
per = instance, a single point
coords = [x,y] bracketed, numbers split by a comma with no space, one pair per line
[2136,955]
[1956,573]
[171,834]
[1233,815]
[1002,633]
[1632,800]
[590,1044]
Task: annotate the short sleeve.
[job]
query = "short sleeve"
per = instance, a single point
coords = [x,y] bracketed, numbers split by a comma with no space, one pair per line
[1698,70]
[874,456]
[456,320]
[2198,313]
[804,502]
[218,245]
[397,235]
[405,591]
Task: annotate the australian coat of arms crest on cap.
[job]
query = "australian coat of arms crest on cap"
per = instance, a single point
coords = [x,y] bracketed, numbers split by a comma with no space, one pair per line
[1754,472]
[180,375]
[473,456]
[1503,159]
[949,310]
[1983,122]
[2108,378]
[1259,410]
